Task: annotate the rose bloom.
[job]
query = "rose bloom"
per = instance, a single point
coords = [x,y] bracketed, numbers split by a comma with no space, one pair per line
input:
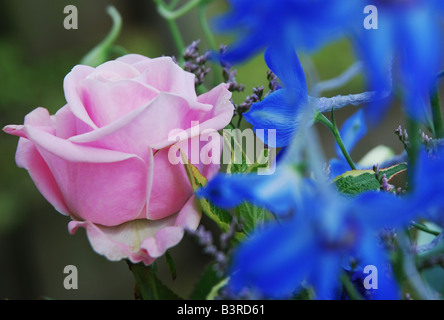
[102,159]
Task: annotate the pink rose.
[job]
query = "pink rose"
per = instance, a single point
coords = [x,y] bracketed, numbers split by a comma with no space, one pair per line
[102,159]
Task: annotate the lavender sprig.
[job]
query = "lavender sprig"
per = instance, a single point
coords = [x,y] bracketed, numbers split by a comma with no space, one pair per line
[196,63]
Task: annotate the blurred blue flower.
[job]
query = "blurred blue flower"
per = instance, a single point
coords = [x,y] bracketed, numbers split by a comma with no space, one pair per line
[318,230]
[277,192]
[304,24]
[409,38]
[427,196]
[310,248]
[279,110]
[407,44]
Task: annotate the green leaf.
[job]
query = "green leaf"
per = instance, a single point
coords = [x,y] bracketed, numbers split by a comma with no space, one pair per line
[239,160]
[250,215]
[207,281]
[221,217]
[100,53]
[356,181]
[149,285]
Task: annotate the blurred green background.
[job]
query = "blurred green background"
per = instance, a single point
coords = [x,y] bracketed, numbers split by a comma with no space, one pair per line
[36,52]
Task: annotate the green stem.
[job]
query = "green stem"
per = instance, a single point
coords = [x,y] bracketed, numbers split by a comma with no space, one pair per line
[424,228]
[352,292]
[177,38]
[413,149]
[99,53]
[436,113]
[217,70]
[173,4]
[172,25]
[205,27]
[173,15]
[334,130]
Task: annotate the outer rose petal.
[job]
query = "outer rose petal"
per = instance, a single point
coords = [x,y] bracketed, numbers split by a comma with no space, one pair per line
[29,158]
[140,240]
[98,185]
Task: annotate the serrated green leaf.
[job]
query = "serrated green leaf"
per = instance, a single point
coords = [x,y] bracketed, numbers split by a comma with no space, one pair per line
[149,286]
[236,165]
[250,215]
[356,181]
[221,217]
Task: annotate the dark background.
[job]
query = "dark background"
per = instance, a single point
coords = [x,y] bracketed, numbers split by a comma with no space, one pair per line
[36,52]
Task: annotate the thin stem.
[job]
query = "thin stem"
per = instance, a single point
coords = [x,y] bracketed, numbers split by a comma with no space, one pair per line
[337,82]
[334,130]
[436,113]
[172,4]
[424,228]
[205,27]
[172,25]
[413,149]
[351,290]
[178,40]
[173,15]
[99,53]
[210,38]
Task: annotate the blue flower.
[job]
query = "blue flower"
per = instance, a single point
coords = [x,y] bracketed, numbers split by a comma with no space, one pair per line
[426,198]
[406,46]
[409,36]
[319,229]
[279,110]
[311,247]
[305,24]
[277,192]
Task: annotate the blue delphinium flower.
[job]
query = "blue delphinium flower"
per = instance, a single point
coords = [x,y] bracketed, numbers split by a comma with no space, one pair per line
[324,230]
[277,192]
[426,198]
[407,43]
[305,24]
[409,37]
[279,110]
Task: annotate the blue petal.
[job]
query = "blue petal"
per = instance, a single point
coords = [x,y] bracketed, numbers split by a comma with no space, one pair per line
[283,61]
[274,260]
[353,130]
[379,210]
[419,35]
[376,48]
[325,275]
[276,112]
[373,254]
[338,167]
[276,192]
